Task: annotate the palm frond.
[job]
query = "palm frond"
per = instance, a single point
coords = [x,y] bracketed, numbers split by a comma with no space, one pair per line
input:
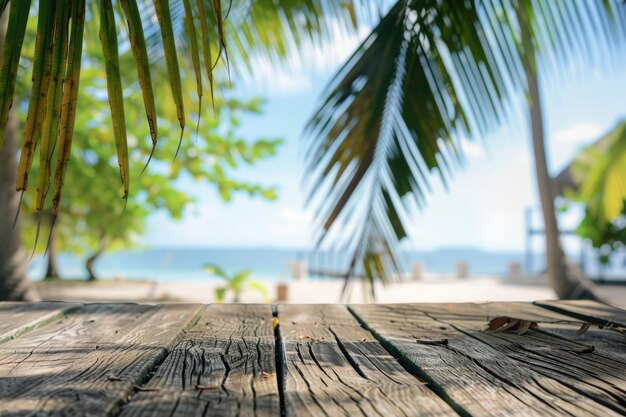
[42,64]
[70,98]
[429,74]
[140,53]
[56,70]
[12,49]
[604,169]
[49,134]
[108,36]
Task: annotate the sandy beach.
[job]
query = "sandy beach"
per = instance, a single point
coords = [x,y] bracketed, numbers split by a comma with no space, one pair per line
[432,289]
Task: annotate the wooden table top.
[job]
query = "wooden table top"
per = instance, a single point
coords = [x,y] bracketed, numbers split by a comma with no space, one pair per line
[312,360]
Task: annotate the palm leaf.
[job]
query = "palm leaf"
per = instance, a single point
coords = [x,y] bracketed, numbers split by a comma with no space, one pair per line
[429,74]
[16,29]
[153,26]
[603,167]
[70,99]
[162,8]
[206,44]
[53,106]
[195,54]
[108,36]
[42,65]
[140,53]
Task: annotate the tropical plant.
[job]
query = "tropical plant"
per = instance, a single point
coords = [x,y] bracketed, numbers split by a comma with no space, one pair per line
[158,34]
[597,179]
[430,74]
[58,57]
[91,216]
[236,283]
[565,280]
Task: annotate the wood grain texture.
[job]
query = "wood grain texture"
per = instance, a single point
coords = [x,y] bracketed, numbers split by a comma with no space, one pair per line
[88,362]
[369,360]
[587,310]
[19,318]
[489,310]
[224,366]
[487,373]
[333,367]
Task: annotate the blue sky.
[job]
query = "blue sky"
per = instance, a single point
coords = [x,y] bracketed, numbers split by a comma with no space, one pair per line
[483,207]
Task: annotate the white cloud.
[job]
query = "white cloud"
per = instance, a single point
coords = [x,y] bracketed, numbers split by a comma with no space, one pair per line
[275,81]
[297,73]
[578,133]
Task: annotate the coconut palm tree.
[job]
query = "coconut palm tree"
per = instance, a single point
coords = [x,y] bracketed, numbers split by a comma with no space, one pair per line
[430,74]
[200,37]
[566,280]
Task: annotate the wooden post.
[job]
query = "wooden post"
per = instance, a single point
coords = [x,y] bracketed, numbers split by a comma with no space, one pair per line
[462,270]
[282,292]
[416,271]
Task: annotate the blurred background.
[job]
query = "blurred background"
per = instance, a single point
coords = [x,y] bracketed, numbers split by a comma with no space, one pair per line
[242,214]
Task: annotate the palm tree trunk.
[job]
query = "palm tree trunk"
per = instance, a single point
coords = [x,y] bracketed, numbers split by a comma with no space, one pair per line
[566,281]
[14,285]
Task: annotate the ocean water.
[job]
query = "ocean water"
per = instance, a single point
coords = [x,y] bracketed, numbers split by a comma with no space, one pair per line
[186,264]
[272,265]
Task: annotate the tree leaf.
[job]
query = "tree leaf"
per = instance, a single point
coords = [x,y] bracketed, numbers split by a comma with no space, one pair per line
[42,63]
[108,38]
[162,8]
[11,51]
[497,322]
[51,122]
[70,99]
[140,53]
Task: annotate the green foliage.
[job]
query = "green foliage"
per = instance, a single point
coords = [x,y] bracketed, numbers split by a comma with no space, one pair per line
[600,169]
[92,210]
[236,283]
[154,32]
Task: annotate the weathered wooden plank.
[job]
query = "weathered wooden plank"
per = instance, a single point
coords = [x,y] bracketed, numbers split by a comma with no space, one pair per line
[498,373]
[88,362]
[19,318]
[486,311]
[224,366]
[554,323]
[333,367]
[587,310]
[591,370]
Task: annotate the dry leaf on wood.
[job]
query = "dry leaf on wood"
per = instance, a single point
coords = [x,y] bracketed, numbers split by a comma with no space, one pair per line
[497,322]
[503,323]
[583,329]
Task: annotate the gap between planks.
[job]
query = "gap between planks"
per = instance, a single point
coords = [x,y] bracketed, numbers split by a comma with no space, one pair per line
[338,370]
